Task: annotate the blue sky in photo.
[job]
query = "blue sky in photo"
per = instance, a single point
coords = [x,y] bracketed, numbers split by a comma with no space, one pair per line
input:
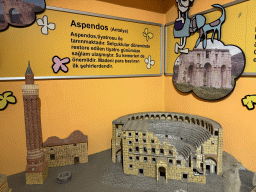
[219,45]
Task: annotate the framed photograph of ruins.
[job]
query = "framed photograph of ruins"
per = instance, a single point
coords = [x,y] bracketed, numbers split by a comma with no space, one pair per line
[213,57]
[19,13]
[213,80]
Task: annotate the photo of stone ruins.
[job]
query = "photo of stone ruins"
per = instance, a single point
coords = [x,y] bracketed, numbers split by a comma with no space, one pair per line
[210,73]
[18,12]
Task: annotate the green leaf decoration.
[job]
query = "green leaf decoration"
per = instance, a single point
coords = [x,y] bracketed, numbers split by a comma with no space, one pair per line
[147,34]
[11,99]
[3,104]
[6,98]
[7,93]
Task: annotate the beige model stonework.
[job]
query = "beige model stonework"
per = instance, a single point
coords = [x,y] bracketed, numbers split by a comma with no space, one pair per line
[61,152]
[4,184]
[168,146]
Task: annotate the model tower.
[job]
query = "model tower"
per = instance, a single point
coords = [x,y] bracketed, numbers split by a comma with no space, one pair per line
[36,169]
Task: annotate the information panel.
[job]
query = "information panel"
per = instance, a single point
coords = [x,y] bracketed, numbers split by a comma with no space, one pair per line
[250,68]
[72,44]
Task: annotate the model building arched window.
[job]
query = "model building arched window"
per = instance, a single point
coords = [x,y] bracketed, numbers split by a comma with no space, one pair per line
[52,157]
[178,162]
[141,172]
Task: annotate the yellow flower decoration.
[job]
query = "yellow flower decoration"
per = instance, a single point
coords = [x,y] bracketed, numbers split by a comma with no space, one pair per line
[5,98]
[147,34]
[249,101]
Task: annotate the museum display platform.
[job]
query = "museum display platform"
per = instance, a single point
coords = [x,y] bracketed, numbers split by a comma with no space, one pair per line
[101,175]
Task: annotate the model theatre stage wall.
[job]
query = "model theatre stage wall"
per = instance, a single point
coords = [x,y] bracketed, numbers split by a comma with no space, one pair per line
[92,45]
[90,105]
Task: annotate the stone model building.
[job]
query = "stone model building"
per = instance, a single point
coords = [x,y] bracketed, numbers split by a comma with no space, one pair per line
[168,146]
[205,67]
[36,169]
[4,184]
[72,150]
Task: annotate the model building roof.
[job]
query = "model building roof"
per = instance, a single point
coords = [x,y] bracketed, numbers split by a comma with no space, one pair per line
[75,137]
[29,70]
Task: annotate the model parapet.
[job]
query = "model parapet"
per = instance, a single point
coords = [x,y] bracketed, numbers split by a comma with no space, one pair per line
[168,145]
[36,169]
[4,184]
[72,150]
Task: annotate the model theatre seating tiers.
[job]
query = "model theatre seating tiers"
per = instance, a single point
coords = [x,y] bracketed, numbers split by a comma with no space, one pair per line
[168,145]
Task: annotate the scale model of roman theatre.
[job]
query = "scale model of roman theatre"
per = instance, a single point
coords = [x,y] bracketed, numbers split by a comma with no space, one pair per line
[168,145]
